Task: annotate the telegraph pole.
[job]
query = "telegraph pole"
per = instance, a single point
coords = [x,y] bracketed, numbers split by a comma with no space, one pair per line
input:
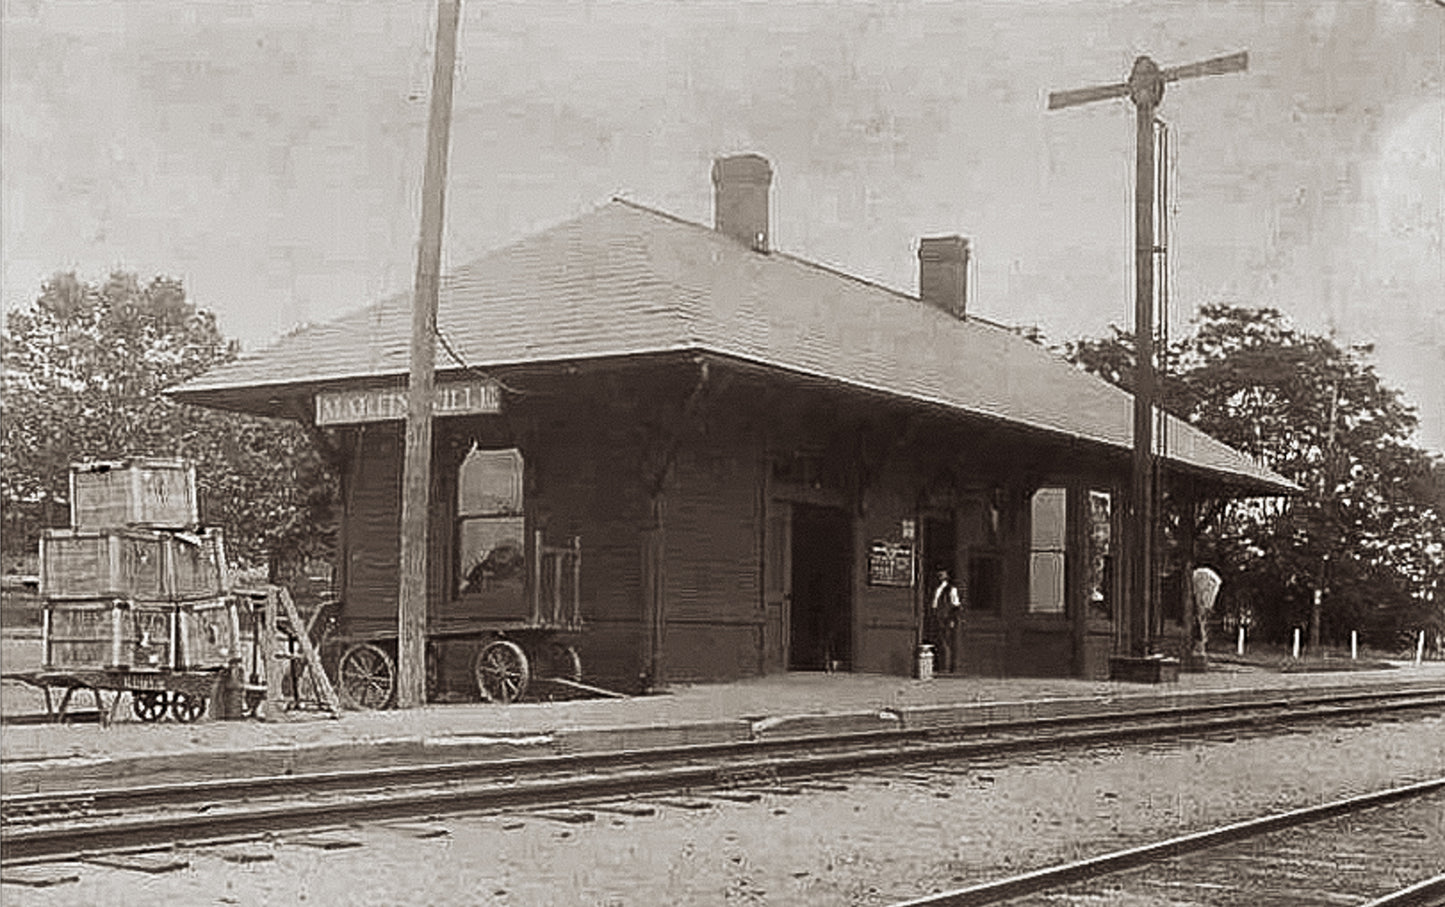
[1145,87]
[416,469]
[1327,498]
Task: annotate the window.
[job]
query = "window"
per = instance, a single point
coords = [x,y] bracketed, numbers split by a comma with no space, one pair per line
[490,523]
[1101,555]
[1048,513]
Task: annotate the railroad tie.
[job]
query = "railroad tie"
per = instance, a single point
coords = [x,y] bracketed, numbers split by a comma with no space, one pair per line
[39,876]
[153,863]
[327,841]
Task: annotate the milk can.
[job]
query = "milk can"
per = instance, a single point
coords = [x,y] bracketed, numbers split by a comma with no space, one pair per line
[925,662]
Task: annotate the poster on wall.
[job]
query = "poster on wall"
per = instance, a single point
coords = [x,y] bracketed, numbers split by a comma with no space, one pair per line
[890,563]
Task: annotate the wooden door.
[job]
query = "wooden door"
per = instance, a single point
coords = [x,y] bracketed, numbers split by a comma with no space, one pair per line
[777,586]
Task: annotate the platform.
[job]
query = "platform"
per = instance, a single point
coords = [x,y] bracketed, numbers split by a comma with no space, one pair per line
[50,757]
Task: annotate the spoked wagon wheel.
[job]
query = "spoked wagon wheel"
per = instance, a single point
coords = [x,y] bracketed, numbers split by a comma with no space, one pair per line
[186,708]
[366,677]
[563,662]
[149,705]
[502,671]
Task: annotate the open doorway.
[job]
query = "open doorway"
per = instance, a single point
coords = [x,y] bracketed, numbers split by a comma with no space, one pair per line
[939,548]
[821,622]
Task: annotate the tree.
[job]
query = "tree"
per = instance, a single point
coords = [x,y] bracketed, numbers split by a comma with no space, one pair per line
[86,367]
[1367,531]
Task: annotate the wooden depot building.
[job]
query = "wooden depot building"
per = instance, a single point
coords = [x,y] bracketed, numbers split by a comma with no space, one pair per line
[763,458]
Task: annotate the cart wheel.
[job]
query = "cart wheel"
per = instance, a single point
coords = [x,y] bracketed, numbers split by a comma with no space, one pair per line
[149,705]
[367,677]
[566,664]
[502,671]
[186,708]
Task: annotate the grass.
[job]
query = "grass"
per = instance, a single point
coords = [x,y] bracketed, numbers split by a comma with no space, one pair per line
[1281,658]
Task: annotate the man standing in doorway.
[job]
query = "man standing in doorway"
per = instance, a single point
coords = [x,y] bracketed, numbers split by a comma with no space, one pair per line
[943,611]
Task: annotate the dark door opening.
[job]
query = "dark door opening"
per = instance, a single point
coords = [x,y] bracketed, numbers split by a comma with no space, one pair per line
[940,550]
[821,622]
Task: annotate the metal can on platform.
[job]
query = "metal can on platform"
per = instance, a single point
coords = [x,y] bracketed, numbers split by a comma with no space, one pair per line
[925,662]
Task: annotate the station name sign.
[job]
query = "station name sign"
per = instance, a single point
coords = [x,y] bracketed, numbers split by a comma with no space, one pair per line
[383,404]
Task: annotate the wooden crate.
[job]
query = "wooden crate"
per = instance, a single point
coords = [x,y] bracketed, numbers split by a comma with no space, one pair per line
[151,492]
[84,564]
[140,564]
[196,565]
[99,635]
[209,634]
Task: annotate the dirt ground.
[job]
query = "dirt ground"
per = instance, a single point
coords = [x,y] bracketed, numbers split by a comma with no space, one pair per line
[873,838]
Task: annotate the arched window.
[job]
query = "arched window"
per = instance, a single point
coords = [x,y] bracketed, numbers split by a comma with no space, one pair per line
[490,528]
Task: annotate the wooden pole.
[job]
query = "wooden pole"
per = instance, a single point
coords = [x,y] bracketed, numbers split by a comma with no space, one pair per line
[1327,496]
[1146,89]
[416,474]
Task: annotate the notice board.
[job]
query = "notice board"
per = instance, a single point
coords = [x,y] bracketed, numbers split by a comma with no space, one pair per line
[890,563]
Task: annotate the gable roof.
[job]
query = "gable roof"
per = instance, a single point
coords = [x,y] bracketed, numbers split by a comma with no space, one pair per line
[627,280]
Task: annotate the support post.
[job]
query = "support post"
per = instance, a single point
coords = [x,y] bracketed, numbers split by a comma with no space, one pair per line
[416,476]
[1141,523]
[275,667]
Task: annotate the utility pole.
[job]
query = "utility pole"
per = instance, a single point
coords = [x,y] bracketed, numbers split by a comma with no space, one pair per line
[1145,87]
[1327,497]
[416,470]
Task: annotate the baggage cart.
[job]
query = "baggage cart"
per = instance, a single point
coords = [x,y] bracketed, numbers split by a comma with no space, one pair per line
[507,655]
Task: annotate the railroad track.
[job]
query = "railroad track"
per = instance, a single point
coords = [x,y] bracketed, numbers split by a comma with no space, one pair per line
[50,826]
[1054,879]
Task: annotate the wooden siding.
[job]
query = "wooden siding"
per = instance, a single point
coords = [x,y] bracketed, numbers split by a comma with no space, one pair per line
[734,468]
[886,622]
[373,552]
[713,535]
[588,484]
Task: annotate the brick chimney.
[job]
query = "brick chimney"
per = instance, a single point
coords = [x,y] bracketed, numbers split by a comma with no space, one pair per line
[740,198]
[943,273]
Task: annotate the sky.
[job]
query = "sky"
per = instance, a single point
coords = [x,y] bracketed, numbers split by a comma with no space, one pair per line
[270,153]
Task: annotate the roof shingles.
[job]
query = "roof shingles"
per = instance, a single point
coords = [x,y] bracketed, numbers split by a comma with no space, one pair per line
[624,279]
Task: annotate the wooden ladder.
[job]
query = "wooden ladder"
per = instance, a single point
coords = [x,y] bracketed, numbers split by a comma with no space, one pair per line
[276,602]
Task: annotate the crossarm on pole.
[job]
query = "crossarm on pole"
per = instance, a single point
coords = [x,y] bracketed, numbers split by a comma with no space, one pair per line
[1076,96]
[1217,66]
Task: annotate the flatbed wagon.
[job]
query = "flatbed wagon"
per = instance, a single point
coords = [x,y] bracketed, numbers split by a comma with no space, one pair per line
[153,693]
[519,640]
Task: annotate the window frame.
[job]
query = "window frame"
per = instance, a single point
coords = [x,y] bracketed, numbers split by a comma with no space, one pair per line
[461,517]
[1058,603]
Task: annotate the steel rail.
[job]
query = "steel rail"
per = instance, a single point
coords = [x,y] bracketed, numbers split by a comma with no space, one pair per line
[915,744]
[1421,894]
[226,806]
[1104,864]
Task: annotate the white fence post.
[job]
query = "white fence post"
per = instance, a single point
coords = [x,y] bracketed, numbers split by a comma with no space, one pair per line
[1354,645]
[1296,642]
[1239,646]
[1419,648]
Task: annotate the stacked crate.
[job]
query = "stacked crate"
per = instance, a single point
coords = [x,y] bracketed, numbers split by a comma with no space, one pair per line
[136,583]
